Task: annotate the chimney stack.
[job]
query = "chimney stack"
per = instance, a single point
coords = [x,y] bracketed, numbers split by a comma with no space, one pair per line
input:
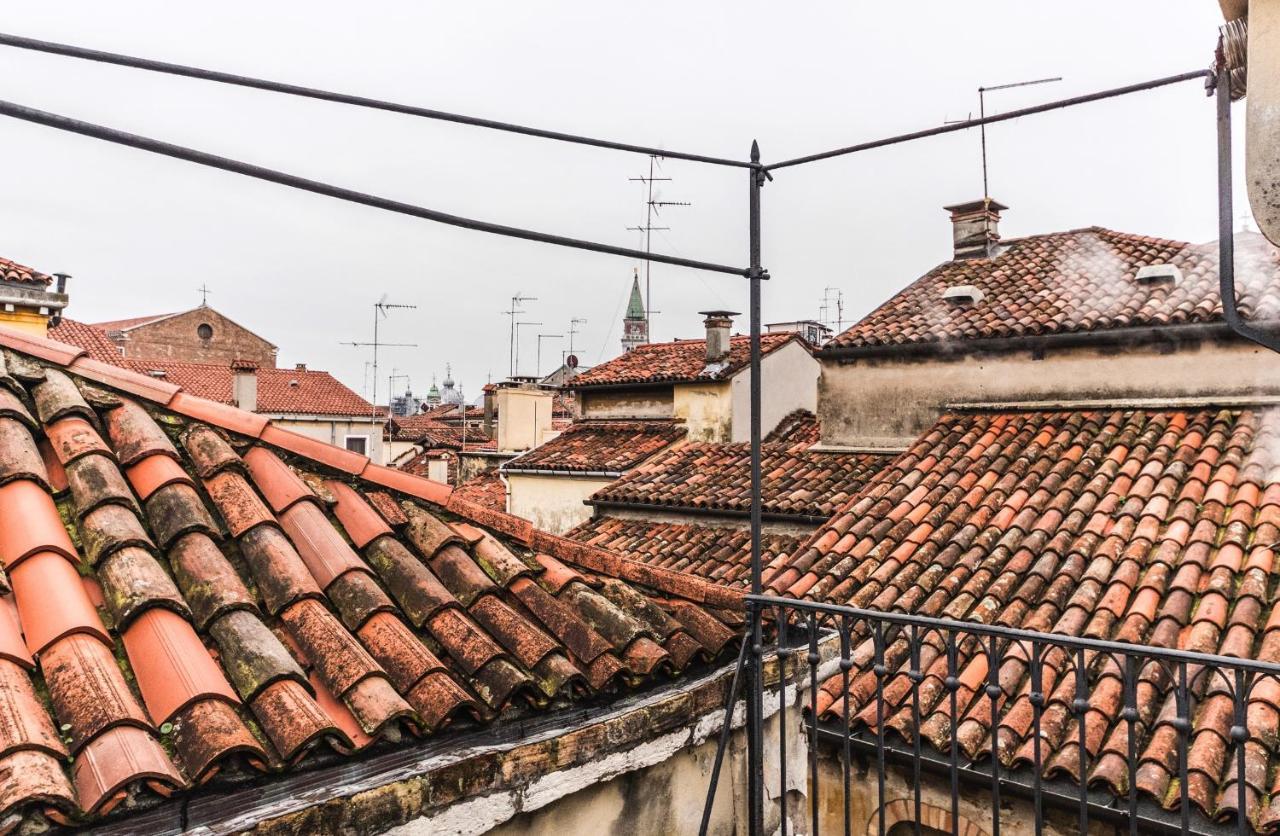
[244,384]
[718,324]
[975,228]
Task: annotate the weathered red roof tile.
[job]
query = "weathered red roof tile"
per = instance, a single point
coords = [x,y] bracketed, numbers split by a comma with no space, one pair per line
[1065,282]
[401,655]
[682,361]
[601,446]
[34,779]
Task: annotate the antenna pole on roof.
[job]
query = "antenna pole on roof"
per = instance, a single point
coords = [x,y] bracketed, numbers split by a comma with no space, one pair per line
[652,204]
[538,370]
[380,309]
[513,350]
[982,115]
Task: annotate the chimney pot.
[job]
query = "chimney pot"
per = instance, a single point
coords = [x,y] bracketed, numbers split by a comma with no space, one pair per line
[975,228]
[718,325]
[301,367]
[62,281]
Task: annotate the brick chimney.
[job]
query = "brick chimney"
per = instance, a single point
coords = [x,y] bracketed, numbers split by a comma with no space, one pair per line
[975,228]
[244,384]
[718,324]
[27,300]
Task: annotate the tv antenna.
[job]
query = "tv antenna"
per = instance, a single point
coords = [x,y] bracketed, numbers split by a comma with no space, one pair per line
[982,114]
[513,350]
[824,310]
[380,309]
[653,203]
[573,331]
[391,386]
[538,370]
[518,326]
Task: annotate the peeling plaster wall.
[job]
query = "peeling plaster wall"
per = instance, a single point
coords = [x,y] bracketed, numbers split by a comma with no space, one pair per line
[889,401]
[553,503]
[1016,814]
[706,409]
[649,402]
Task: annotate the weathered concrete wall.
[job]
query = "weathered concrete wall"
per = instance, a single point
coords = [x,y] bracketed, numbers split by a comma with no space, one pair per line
[654,402]
[178,338]
[336,430]
[1016,814]
[789,381]
[665,798]
[552,503]
[888,402]
[706,409]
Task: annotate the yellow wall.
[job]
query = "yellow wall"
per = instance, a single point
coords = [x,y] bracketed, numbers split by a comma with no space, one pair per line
[707,410]
[552,503]
[26,321]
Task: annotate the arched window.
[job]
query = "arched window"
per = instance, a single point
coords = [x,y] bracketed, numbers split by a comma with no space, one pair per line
[204,331]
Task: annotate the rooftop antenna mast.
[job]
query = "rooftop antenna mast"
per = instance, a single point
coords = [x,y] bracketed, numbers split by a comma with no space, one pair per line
[826,307]
[518,326]
[380,309]
[982,114]
[513,351]
[653,203]
[391,385]
[573,331]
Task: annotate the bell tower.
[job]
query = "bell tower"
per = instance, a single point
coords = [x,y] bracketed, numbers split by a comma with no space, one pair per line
[635,325]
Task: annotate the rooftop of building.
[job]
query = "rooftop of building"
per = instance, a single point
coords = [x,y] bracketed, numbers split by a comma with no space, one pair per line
[1082,281]
[1149,525]
[12,271]
[297,391]
[601,446]
[681,361]
[238,601]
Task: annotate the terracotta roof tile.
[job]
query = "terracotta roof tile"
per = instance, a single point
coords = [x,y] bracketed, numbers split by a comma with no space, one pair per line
[798,429]
[605,446]
[268,618]
[1065,282]
[12,271]
[682,361]
[717,477]
[485,489]
[1118,565]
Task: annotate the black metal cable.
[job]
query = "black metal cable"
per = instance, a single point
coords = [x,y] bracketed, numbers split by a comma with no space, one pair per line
[999,117]
[155,146]
[343,98]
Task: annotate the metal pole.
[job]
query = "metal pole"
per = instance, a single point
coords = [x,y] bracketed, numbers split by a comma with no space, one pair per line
[755,703]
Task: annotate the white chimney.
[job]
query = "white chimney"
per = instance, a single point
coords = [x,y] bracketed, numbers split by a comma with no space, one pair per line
[718,325]
[244,384]
[975,228]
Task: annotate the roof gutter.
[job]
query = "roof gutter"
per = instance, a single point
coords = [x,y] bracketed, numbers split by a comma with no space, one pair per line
[1164,334]
[767,516]
[542,471]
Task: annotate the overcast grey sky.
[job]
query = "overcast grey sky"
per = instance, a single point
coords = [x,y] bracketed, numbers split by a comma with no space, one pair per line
[140,233]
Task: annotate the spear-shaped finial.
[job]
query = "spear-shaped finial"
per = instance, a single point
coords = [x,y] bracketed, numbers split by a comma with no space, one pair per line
[755,151]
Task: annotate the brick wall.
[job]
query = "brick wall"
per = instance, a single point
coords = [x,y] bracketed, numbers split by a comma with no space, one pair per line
[182,338]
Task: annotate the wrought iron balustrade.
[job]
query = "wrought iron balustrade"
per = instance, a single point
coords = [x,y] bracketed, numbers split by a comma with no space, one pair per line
[887,675]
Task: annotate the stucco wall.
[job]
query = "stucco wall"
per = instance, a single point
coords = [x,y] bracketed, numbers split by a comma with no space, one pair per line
[336,430]
[884,401]
[552,503]
[664,798]
[653,402]
[176,338]
[706,409]
[524,418]
[789,381]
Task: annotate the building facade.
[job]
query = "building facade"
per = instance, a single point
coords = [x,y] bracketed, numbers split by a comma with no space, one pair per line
[200,335]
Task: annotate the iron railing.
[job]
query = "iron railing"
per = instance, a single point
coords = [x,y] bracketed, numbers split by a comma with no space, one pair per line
[814,622]
[813,643]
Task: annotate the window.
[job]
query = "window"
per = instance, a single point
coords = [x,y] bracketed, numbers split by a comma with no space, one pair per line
[204,331]
[358,444]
